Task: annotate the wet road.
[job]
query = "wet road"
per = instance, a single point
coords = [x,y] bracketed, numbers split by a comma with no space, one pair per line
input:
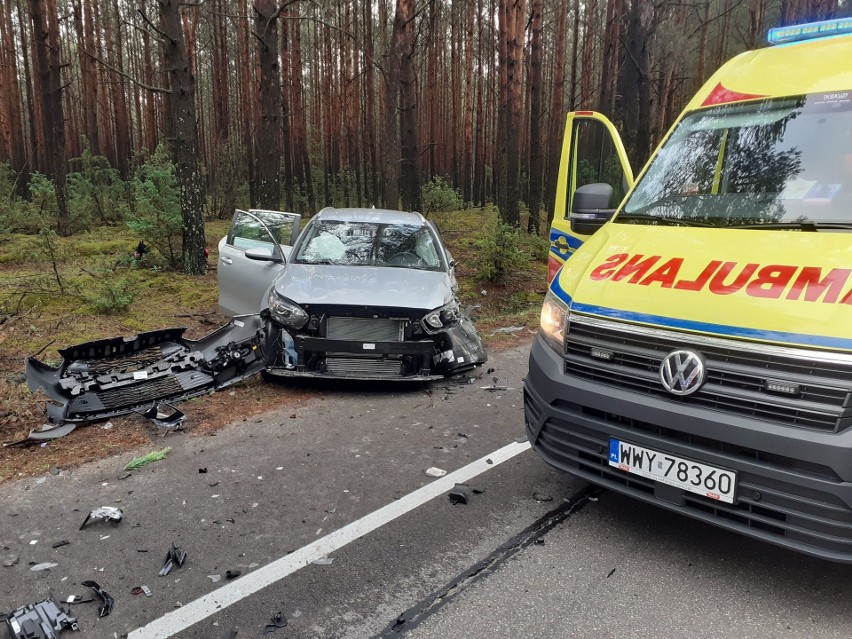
[516,560]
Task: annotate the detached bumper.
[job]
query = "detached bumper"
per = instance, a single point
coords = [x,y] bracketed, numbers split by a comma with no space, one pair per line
[114,376]
[794,485]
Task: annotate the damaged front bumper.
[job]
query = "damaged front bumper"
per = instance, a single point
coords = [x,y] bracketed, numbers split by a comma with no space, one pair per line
[357,354]
[115,376]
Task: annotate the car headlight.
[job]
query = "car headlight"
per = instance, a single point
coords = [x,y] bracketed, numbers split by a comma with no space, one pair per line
[554,321]
[286,312]
[441,318]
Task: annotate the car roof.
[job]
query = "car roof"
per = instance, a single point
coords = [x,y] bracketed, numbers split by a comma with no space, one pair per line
[376,216]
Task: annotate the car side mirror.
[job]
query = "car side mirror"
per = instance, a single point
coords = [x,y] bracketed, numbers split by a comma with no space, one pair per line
[591,208]
[263,254]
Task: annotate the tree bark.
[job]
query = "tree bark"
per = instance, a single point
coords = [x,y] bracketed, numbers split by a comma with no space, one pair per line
[183,136]
[409,173]
[536,177]
[390,134]
[48,68]
[268,177]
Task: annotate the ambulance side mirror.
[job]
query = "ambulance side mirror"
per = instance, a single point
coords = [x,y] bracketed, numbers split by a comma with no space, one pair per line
[590,208]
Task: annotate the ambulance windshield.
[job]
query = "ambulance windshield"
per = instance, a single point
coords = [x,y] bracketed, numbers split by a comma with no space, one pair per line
[784,163]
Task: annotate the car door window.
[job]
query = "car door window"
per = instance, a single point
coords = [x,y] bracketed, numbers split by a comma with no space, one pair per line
[249,231]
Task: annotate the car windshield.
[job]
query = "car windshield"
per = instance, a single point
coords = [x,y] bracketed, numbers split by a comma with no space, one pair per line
[369,244]
[773,163]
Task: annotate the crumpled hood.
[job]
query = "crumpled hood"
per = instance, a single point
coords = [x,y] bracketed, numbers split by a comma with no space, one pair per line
[779,286]
[364,285]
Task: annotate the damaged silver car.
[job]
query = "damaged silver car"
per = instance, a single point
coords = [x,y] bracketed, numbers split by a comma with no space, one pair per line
[363,293]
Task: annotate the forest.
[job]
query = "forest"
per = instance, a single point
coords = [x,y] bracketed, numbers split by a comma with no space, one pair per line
[161,115]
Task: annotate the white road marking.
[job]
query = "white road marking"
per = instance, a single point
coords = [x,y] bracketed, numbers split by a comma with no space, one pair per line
[179,620]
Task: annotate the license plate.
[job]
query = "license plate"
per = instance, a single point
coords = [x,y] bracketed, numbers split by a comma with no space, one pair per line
[701,479]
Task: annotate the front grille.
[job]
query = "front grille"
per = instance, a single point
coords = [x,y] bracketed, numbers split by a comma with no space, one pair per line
[736,376]
[362,366]
[793,510]
[361,329]
[139,394]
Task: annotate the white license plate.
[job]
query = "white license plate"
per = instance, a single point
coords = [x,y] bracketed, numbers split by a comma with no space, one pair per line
[710,481]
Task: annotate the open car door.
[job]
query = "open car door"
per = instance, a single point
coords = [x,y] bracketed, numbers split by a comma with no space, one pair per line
[594,176]
[251,256]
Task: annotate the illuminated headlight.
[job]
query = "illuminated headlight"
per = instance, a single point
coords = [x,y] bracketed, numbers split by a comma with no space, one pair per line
[441,318]
[286,312]
[554,321]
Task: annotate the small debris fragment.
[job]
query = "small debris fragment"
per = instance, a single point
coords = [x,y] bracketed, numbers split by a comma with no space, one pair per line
[107,601]
[278,621]
[33,618]
[146,590]
[542,496]
[77,599]
[136,590]
[47,565]
[125,475]
[323,561]
[215,578]
[174,557]
[107,513]
[59,544]
[539,541]
[488,461]
[10,561]
[54,470]
[202,470]
[435,472]
[508,330]
[232,574]
[460,494]
[611,573]
[107,426]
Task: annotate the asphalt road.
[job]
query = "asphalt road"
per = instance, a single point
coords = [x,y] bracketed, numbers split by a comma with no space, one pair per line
[516,560]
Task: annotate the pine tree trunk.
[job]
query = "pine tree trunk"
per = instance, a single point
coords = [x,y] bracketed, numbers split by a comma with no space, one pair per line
[536,177]
[268,176]
[409,174]
[183,136]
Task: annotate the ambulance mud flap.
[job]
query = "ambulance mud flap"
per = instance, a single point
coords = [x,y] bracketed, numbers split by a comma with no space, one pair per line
[119,375]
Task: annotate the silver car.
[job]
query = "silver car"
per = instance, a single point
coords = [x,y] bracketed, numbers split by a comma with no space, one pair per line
[362,293]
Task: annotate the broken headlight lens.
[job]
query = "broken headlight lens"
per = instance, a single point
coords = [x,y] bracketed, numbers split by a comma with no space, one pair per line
[286,312]
[442,317]
[554,321]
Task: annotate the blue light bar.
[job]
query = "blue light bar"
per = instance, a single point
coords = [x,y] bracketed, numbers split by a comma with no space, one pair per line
[795,33]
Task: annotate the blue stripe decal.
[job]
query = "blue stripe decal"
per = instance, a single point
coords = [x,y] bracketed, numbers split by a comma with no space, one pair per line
[701,327]
[573,242]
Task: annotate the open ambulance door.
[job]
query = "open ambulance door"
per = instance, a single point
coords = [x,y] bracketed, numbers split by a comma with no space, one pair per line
[594,176]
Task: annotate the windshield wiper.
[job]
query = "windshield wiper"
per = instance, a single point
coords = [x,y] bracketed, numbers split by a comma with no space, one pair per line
[671,221]
[795,226]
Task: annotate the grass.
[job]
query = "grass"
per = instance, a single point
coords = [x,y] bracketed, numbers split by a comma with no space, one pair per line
[46,303]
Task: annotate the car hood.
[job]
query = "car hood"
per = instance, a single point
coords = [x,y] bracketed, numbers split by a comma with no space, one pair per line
[364,285]
[766,285]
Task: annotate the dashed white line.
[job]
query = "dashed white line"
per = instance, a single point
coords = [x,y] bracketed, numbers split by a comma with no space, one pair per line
[174,622]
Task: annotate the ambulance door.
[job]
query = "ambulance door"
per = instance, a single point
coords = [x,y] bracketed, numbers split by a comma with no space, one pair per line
[594,176]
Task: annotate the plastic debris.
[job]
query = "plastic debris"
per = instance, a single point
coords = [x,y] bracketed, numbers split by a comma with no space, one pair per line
[45,432]
[59,544]
[107,601]
[435,472]
[174,557]
[107,426]
[460,494]
[144,460]
[164,415]
[43,620]
[508,330]
[77,599]
[215,578]
[107,513]
[323,561]
[47,565]
[278,621]
[232,574]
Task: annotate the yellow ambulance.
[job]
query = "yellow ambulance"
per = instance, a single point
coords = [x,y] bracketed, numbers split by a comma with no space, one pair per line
[695,349]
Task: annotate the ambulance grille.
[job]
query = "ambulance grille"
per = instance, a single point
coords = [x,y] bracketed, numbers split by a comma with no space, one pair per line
[629,357]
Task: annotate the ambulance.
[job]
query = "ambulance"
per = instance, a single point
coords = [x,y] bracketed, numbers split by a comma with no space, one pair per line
[695,349]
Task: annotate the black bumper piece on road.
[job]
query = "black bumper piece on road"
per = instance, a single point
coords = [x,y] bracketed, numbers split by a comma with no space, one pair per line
[794,485]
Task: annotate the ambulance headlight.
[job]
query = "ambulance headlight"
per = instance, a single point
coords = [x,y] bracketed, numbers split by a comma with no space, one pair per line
[554,321]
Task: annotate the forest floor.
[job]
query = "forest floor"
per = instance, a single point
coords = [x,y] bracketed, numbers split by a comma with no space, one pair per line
[57,292]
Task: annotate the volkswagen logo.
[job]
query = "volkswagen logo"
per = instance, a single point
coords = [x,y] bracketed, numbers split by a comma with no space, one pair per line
[682,372]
